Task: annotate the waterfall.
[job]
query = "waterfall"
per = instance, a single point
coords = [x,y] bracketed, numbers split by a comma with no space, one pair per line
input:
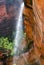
[19,30]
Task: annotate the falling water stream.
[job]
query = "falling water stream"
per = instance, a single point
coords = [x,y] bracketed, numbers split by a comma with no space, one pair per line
[19,31]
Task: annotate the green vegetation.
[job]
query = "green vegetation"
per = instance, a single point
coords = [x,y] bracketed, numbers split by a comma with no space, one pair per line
[6,44]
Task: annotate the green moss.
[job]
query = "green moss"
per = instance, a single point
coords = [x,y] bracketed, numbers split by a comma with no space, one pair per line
[6,44]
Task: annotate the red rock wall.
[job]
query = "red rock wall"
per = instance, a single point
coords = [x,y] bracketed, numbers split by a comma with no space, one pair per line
[37,31]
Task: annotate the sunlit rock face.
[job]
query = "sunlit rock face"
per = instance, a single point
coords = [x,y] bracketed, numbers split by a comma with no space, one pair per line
[38,7]
[38,28]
